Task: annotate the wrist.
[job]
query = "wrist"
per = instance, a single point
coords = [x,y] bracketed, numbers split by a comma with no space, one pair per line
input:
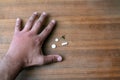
[13,60]
[10,67]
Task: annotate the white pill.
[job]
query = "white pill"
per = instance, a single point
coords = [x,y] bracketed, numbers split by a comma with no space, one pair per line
[56,39]
[53,46]
[64,43]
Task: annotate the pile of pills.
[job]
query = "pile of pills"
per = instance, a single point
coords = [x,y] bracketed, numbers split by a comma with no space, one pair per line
[62,44]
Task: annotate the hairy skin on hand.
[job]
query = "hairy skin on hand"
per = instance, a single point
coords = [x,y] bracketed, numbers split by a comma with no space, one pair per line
[25,48]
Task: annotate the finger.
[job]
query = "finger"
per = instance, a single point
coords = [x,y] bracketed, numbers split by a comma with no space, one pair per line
[30,21]
[47,30]
[39,23]
[52,59]
[41,60]
[37,61]
[18,25]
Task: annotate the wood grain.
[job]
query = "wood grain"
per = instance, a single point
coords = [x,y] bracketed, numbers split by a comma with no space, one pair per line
[92,28]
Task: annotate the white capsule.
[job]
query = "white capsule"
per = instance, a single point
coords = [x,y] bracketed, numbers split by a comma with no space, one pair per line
[56,39]
[64,43]
[53,46]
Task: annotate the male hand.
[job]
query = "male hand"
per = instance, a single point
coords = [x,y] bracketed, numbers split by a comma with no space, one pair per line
[26,45]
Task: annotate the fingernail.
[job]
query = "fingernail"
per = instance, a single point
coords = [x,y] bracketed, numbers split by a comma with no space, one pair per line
[53,21]
[44,13]
[35,13]
[17,19]
[59,58]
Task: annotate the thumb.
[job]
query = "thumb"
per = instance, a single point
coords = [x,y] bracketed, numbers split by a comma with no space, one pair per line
[40,60]
[52,59]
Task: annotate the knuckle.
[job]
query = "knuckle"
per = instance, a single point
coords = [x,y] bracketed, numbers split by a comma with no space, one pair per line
[37,42]
[39,22]
[53,59]
[46,30]
[33,16]
[50,59]
[45,60]
[31,20]
[51,24]
[30,33]
[40,40]
[17,24]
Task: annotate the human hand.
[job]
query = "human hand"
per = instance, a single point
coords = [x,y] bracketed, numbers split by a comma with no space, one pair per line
[26,44]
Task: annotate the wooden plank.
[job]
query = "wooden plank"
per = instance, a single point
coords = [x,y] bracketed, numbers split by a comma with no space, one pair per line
[92,28]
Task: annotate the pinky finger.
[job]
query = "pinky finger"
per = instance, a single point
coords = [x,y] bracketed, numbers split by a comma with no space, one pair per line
[18,25]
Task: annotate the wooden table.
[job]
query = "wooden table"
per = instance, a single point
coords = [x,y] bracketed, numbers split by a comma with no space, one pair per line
[92,28]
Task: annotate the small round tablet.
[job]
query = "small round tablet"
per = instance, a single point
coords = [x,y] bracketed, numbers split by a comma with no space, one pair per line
[53,46]
[56,39]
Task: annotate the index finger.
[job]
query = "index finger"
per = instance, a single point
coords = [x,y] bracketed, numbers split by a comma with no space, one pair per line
[47,30]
